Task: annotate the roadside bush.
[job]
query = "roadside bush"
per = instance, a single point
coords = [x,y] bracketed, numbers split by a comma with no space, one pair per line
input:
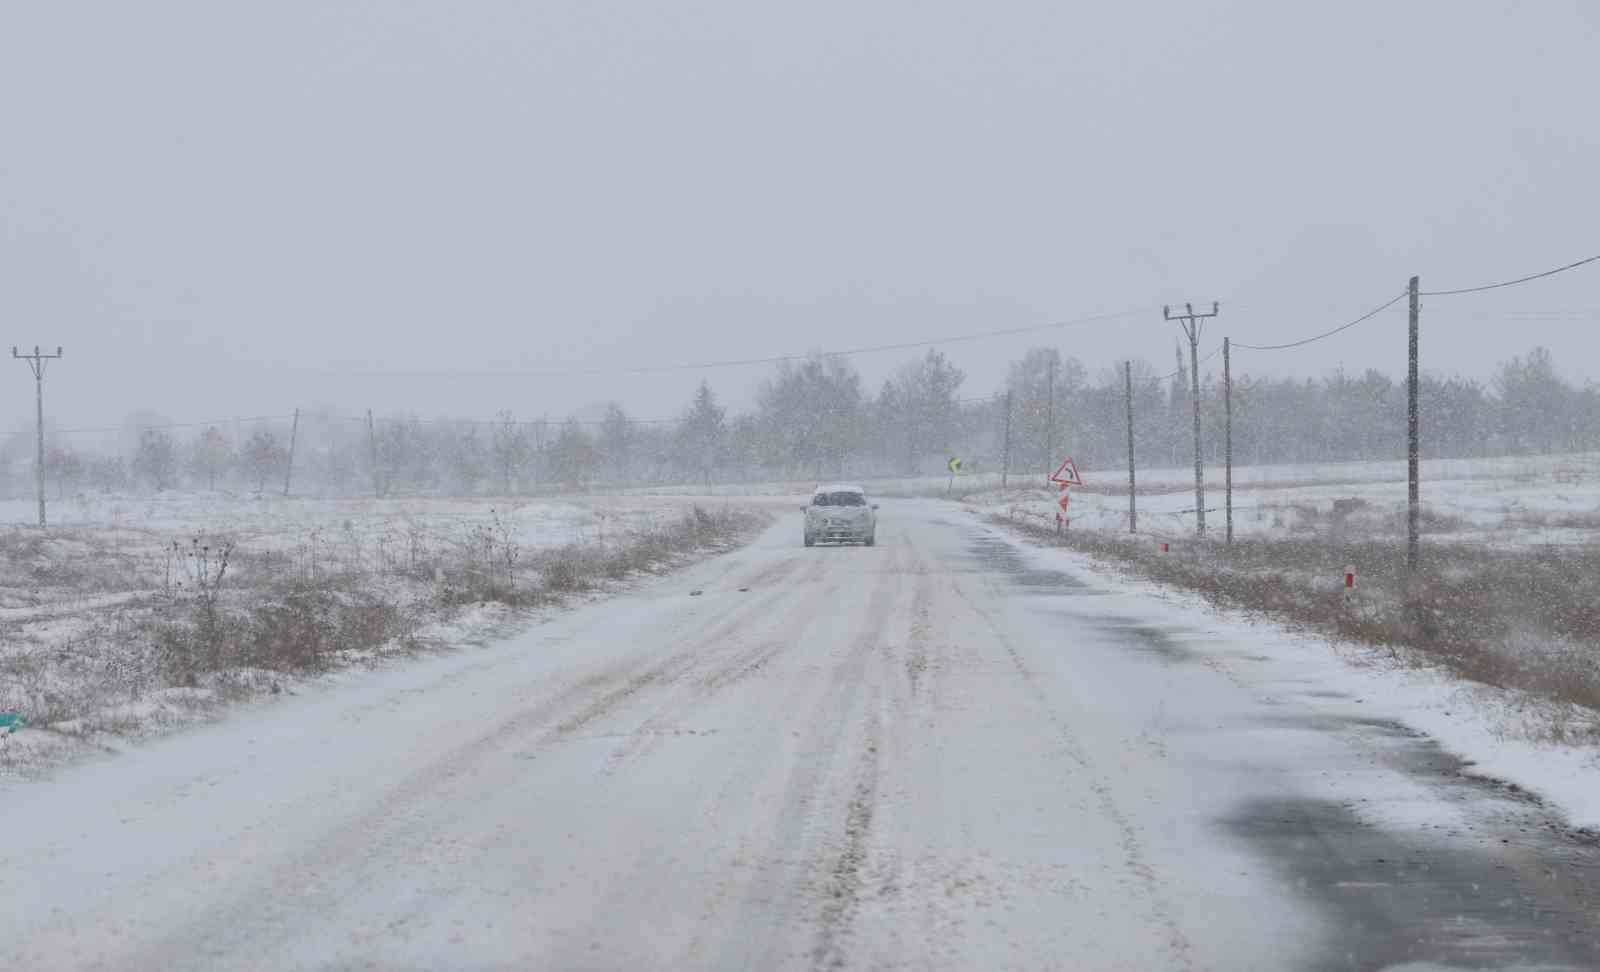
[301,625]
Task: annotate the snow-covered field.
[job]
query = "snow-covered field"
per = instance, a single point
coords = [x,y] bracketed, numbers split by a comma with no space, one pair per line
[271,522]
[1502,502]
[82,603]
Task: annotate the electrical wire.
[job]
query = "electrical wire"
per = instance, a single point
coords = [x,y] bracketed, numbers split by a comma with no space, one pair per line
[1214,352]
[743,362]
[1326,334]
[1509,283]
[872,349]
[178,425]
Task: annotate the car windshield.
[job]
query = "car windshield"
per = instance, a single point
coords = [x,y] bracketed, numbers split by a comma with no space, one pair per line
[839,499]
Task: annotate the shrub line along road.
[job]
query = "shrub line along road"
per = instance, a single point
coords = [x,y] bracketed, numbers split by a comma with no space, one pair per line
[928,754]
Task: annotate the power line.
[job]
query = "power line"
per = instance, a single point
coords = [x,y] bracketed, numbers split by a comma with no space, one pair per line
[1509,283]
[177,425]
[1326,334]
[1214,352]
[744,362]
[899,346]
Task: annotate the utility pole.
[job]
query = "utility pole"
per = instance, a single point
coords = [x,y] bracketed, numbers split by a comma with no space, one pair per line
[1190,321]
[372,449]
[1227,435]
[1050,421]
[1005,461]
[36,363]
[288,471]
[538,450]
[1133,503]
[1414,451]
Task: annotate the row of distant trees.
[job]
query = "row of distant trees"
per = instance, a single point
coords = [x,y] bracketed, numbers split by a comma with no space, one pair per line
[813,419]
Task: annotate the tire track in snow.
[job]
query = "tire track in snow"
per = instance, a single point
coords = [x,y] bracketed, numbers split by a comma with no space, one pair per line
[738,666]
[399,818]
[1135,858]
[829,855]
[893,703]
[842,896]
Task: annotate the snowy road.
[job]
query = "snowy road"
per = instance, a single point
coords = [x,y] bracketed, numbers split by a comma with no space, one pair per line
[933,753]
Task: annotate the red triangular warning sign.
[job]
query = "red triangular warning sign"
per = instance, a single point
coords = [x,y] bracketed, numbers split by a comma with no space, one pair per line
[1067,475]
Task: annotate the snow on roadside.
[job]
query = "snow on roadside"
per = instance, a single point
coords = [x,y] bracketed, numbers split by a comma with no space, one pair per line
[78,656]
[1506,501]
[1480,724]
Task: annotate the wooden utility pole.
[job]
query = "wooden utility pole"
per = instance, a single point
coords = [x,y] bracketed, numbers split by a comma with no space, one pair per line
[372,449]
[1190,321]
[1414,450]
[1050,421]
[288,470]
[36,363]
[1133,502]
[1005,461]
[1227,435]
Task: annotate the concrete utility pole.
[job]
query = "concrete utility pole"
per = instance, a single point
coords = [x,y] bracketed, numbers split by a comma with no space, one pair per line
[1227,436]
[288,469]
[1414,450]
[1050,422]
[372,449]
[1133,502]
[1005,462]
[1190,321]
[36,363]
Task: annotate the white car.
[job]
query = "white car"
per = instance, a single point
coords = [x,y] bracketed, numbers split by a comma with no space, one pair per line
[840,513]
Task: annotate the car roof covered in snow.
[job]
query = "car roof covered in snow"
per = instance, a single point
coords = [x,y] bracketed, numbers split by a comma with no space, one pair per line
[840,488]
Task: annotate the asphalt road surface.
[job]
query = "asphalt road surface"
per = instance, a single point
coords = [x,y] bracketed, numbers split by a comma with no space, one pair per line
[929,754]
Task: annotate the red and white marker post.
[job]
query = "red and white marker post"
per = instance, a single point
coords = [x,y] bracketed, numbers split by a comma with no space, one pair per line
[1065,477]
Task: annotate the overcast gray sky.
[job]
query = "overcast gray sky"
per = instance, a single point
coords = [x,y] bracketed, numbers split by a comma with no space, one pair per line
[218,207]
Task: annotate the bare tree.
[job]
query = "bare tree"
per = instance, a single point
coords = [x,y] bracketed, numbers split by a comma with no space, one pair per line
[264,458]
[616,441]
[210,456]
[572,456]
[511,448]
[156,461]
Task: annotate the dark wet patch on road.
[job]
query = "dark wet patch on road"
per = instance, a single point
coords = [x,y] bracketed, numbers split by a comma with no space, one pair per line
[1146,639]
[1393,899]
[1410,751]
[996,555]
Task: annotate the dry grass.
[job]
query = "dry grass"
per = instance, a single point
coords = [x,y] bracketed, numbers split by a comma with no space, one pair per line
[218,622]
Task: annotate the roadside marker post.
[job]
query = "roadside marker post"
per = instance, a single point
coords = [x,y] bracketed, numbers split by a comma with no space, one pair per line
[1065,477]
